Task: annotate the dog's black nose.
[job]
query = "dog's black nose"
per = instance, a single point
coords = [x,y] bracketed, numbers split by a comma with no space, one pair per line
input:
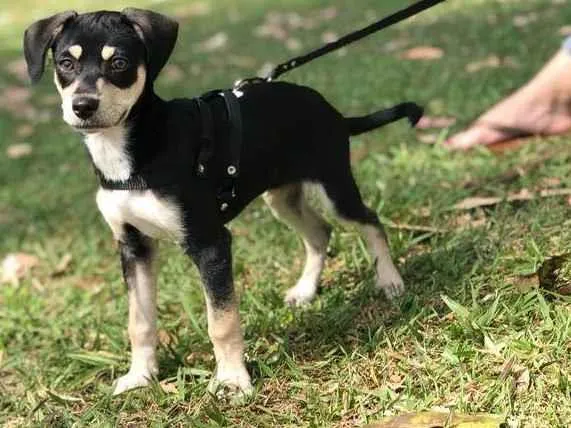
[84,107]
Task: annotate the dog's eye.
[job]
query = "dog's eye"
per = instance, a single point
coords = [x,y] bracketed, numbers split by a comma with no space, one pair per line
[66,65]
[119,64]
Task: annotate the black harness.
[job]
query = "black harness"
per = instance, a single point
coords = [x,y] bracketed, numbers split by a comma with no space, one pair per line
[208,144]
[207,147]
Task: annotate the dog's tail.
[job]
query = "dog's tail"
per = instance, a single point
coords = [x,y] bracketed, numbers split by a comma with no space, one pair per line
[359,125]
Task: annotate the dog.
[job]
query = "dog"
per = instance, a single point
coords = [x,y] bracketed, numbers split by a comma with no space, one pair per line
[145,152]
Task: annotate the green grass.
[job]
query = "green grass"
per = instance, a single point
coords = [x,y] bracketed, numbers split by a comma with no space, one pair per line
[351,357]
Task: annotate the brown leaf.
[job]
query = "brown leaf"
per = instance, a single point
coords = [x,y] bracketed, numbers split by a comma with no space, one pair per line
[271,30]
[329,37]
[524,283]
[395,45]
[25,131]
[215,43]
[522,381]
[17,151]
[62,265]
[18,69]
[423,53]
[565,31]
[192,9]
[328,13]
[550,182]
[524,20]
[173,73]
[438,419]
[168,387]
[293,44]
[428,122]
[427,138]
[522,195]
[16,266]
[493,61]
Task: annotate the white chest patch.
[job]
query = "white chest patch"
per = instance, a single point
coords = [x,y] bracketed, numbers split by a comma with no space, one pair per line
[109,152]
[154,216]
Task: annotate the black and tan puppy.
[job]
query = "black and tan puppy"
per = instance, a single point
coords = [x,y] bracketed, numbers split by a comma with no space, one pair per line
[145,150]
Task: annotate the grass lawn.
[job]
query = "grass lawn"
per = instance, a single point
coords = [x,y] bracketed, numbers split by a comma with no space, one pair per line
[472,332]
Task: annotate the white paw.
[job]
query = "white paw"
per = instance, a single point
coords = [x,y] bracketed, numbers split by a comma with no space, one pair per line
[132,380]
[390,281]
[232,384]
[302,293]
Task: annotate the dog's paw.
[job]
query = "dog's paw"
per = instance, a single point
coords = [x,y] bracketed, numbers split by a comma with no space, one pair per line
[301,294]
[232,385]
[132,380]
[390,281]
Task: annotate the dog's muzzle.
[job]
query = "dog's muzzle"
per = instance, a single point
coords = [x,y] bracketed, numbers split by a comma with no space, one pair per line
[84,106]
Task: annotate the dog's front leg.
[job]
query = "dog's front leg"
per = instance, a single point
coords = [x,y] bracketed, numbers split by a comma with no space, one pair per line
[137,261]
[214,261]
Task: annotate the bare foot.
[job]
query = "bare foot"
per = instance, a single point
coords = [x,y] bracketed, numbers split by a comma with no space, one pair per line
[541,107]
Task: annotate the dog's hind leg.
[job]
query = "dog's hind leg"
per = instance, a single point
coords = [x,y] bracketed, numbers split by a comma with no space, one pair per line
[137,261]
[213,258]
[343,193]
[289,205]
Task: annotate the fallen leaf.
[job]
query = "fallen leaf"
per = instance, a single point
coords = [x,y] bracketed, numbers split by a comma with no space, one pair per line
[16,94]
[428,122]
[293,44]
[194,8]
[17,151]
[328,13]
[522,195]
[550,182]
[434,419]
[493,61]
[25,131]
[168,387]
[524,283]
[215,43]
[271,30]
[19,69]
[521,382]
[493,348]
[524,20]
[173,73]
[329,37]
[422,53]
[565,31]
[467,220]
[62,265]
[427,138]
[16,266]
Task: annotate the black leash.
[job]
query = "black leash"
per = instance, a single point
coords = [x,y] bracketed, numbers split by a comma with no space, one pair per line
[393,19]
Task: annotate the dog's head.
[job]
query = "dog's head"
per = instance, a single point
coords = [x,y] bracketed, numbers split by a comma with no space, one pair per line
[103,61]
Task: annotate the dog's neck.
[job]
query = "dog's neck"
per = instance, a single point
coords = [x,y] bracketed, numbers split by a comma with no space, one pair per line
[111,149]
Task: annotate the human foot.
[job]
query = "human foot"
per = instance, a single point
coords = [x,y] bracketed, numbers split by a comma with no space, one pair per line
[542,107]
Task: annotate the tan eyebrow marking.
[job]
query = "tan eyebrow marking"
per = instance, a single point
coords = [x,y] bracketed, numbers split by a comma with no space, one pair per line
[107,52]
[75,51]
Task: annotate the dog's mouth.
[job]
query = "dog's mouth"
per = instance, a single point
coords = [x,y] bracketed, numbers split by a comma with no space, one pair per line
[89,127]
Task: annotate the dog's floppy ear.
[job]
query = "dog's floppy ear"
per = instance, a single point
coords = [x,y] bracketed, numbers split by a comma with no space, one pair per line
[38,38]
[159,36]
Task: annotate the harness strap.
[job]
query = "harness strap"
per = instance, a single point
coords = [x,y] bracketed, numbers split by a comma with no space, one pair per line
[206,137]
